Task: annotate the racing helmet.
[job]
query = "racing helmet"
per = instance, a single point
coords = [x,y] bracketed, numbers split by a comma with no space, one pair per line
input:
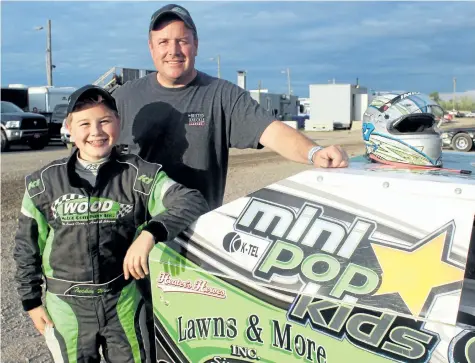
[400,128]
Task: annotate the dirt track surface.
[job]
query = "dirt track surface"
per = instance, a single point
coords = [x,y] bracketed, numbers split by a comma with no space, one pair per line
[249,170]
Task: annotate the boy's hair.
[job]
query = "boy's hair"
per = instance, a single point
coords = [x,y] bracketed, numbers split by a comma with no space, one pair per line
[93,100]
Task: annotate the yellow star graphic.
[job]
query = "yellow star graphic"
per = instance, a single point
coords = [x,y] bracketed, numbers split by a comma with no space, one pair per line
[413,274]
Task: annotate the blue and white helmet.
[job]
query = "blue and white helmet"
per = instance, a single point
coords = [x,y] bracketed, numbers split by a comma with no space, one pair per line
[401,128]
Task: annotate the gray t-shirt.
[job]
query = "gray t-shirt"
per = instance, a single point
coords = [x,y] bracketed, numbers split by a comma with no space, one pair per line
[190,129]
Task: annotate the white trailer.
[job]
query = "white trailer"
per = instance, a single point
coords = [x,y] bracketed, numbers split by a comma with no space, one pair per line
[336,106]
[45,98]
[47,101]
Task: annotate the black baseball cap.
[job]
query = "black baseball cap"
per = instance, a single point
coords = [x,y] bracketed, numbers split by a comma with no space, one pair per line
[176,10]
[90,91]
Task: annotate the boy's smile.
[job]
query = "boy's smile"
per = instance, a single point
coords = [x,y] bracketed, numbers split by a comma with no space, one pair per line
[98,143]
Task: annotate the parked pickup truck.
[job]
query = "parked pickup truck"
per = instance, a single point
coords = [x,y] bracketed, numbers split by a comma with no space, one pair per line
[19,127]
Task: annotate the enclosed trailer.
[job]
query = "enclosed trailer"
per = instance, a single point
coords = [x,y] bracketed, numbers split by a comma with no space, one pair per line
[335,106]
[45,98]
[16,95]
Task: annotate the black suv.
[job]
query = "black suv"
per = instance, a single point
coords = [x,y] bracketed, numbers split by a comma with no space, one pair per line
[19,127]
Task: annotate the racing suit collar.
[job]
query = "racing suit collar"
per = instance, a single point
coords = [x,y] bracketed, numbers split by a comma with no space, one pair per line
[74,179]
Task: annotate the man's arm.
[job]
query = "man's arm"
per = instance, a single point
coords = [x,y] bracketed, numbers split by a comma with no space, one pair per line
[30,241]
[295,146]
[250,125]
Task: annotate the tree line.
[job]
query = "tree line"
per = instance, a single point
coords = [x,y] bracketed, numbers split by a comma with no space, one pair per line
[461,103]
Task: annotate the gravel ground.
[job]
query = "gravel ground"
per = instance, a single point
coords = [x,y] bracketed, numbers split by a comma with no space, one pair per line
[249,170]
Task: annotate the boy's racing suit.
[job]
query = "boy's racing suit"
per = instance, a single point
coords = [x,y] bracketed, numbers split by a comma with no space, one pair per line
[77,236]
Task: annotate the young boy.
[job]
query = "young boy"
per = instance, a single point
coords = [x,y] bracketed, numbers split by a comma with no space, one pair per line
[87,224]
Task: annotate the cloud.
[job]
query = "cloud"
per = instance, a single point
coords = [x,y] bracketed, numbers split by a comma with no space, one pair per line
[423,44]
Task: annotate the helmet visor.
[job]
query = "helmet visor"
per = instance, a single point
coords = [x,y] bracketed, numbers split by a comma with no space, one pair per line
[411,103]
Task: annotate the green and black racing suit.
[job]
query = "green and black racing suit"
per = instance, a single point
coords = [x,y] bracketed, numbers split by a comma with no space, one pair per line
[76,236]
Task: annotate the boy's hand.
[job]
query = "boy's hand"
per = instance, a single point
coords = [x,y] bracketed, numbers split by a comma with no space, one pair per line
[136,259]
[40,318]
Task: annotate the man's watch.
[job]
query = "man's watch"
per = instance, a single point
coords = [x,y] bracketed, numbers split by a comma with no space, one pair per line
[312,152]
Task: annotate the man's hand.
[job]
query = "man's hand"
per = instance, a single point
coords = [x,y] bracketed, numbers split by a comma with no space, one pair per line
[136,259]
[331,157]
[294,145]
[40,318]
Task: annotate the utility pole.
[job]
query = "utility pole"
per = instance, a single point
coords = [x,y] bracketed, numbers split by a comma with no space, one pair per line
[49,56]
[288,81]
[453,100]
[287,70]
[218,60]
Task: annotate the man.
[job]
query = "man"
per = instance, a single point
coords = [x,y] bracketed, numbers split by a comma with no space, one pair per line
[187,120]
[200,116]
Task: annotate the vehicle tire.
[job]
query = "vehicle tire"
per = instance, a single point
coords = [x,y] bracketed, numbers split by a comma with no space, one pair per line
[38,144]
[462,142]
[5,145]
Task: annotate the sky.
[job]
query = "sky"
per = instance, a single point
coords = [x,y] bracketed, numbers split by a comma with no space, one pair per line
[394,45]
